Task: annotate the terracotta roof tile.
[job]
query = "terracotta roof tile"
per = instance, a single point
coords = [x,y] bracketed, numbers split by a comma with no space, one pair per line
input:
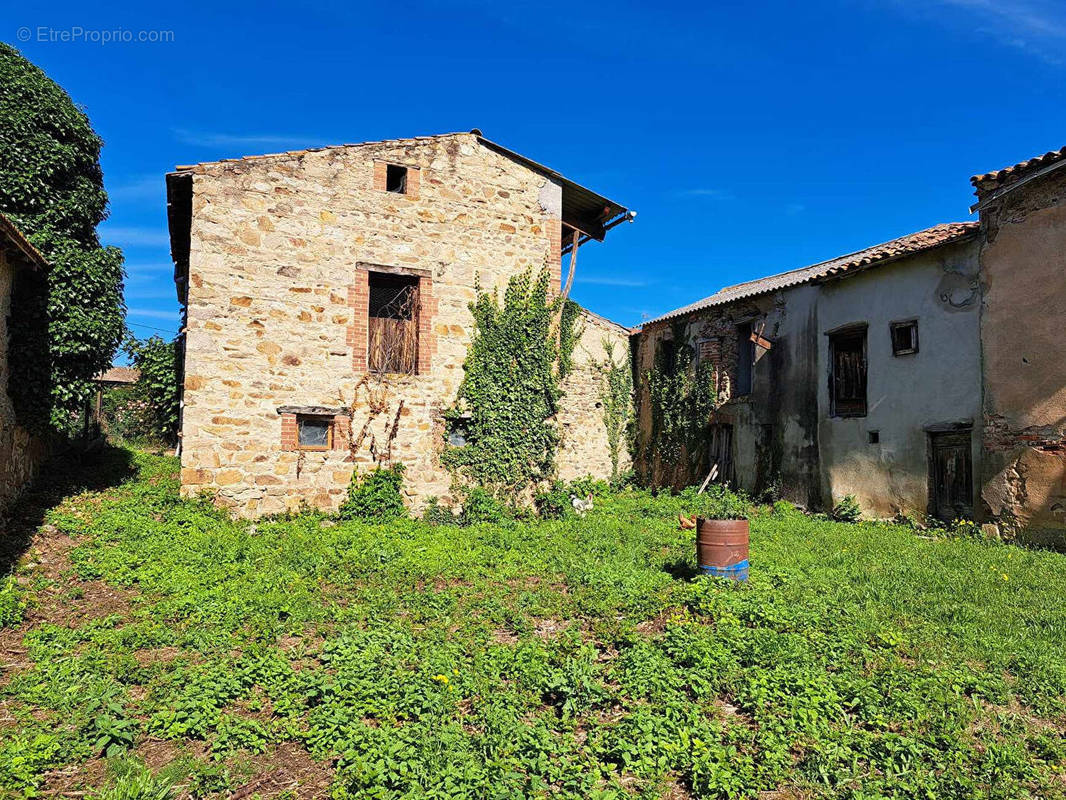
[1001,177]
[878,254]
[119,375]
[19,240]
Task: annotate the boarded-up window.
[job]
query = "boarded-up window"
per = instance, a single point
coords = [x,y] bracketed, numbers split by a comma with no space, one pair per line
[847,373]
[392,327]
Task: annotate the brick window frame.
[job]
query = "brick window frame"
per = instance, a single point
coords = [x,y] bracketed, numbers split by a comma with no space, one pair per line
[381,179]
[359,302]
[339,422]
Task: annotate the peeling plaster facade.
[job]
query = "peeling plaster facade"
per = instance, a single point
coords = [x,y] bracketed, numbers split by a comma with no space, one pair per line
[988,379]
[783,431]
[1023,272]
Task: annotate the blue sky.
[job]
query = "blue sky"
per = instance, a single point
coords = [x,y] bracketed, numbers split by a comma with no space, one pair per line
[751,137]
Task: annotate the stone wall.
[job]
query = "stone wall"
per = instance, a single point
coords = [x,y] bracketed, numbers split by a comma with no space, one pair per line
[20,452]
[583,446]
[281,248]
[1023,260]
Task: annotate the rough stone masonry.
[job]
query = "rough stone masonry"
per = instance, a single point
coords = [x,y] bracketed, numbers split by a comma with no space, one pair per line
[276,256]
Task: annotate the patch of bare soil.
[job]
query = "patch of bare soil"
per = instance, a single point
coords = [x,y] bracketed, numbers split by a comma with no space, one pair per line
[156,655]
[158,753]
[548,628]
[289,770]
[67,781]
[66,601]
[504,636]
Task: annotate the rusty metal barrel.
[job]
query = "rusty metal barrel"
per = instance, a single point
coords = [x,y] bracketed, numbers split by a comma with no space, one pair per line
[722,547]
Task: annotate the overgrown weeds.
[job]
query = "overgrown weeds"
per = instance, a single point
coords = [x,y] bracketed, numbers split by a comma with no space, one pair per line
[560,658]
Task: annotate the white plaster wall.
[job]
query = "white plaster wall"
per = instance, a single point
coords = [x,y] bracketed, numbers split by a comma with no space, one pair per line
[941,383]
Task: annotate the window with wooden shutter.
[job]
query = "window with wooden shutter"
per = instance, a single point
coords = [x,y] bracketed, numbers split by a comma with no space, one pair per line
[847,376]
[392,324]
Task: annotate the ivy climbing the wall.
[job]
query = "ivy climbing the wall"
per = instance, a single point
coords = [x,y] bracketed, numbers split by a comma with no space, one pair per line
[510,393]
[66,323]
[616,396]
[682,399]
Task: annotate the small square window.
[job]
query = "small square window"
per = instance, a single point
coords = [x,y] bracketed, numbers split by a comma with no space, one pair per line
[314,433]
[873,437]
[904,338]
[395,179]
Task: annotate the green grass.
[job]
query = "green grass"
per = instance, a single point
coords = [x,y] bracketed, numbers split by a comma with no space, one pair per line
[577,658]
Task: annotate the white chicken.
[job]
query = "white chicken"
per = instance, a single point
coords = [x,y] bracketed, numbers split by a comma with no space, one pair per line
[581,505]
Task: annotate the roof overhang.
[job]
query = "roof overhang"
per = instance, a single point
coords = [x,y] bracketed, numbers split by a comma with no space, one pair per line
[584,211]
[179,221]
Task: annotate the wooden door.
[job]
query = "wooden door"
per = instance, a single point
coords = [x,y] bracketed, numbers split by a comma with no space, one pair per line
[951,475]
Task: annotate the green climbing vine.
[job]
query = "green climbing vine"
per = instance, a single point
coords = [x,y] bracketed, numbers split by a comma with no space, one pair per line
[510,391]
[682,400]
[616,396]
[68,320]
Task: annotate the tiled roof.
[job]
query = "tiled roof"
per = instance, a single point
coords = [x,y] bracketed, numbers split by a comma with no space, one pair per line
[882,253]
[119,375]
[16,237]
[991,181]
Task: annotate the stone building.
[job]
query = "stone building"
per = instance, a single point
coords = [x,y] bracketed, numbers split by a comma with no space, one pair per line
[925,375]
[326,295]
[20,451]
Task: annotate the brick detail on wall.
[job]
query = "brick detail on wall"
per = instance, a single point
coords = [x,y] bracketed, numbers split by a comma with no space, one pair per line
[555,232]
[380,175]
[359,302]
[414,179]
[290,432]
[342,429]
[1000,437]
[414,182]
[289,435]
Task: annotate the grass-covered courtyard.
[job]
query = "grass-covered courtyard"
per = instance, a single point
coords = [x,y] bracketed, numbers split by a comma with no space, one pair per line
[152,648]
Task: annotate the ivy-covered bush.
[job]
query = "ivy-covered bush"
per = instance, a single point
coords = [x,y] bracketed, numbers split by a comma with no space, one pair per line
[157,387]
[481,507]
[510,392]
[376,496]
[66,324]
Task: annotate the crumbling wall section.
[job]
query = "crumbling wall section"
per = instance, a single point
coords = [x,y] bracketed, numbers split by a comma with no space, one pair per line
[1023,261]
